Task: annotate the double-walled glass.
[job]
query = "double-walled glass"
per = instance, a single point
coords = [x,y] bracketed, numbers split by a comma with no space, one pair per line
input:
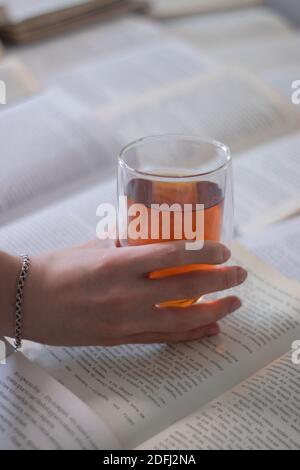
[175,187]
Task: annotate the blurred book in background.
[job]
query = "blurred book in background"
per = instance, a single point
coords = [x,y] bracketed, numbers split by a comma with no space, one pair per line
[172,8]
[230,28]
[26,21]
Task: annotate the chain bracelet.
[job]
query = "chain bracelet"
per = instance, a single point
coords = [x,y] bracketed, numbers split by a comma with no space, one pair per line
[19,300]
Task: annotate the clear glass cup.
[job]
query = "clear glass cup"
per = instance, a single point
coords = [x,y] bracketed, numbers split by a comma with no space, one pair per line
[175,187]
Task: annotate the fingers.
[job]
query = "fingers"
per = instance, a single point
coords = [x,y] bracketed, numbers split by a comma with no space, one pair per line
[179,320]
[200,315]
[179,337]
[153,257]
[194,284]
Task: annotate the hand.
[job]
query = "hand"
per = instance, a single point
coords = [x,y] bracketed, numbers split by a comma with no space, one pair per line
[94,295]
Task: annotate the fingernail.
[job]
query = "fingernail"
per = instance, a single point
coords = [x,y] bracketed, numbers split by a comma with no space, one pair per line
[226,253]
[236,304]
[212,331]
[241,275]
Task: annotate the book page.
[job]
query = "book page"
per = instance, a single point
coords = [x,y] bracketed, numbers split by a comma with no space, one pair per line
[274,171]
[18,80]
[279,246]
[223,105]
[140,390]
[50,146]
[58,54]
[36,412]
[211,31]
[107,81]
[169,8]
[67,223]
[261,55]
[262,413]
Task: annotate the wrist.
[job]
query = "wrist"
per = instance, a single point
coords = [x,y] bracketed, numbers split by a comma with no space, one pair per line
[9,271]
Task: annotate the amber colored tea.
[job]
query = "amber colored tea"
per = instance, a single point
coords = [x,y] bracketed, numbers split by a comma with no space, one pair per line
[148,193]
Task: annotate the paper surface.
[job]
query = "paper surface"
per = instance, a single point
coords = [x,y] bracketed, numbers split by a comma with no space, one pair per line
[220,29]
[36,412]
[267,186]
[279,246]
[50,144]
[107,81]
[260,414]
[262,55]
[61,225]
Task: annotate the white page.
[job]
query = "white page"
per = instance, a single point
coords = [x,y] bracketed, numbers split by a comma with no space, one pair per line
[220,29]
[260,414]
[262,55]
[48,58]
[67,223]
[279,246]
[36,412]
[267,186]
[106,81]
[228,106]
[49,146]
[168,8]
[19,81]
[140,390]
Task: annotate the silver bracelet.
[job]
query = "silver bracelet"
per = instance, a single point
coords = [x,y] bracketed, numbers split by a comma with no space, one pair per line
[19,300]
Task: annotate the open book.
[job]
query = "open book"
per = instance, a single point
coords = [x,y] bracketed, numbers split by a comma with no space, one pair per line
[96,42]
[145,67]
[251,112]
[250,416]
[23,21]
[227,29]
[259,40]
[238,390]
